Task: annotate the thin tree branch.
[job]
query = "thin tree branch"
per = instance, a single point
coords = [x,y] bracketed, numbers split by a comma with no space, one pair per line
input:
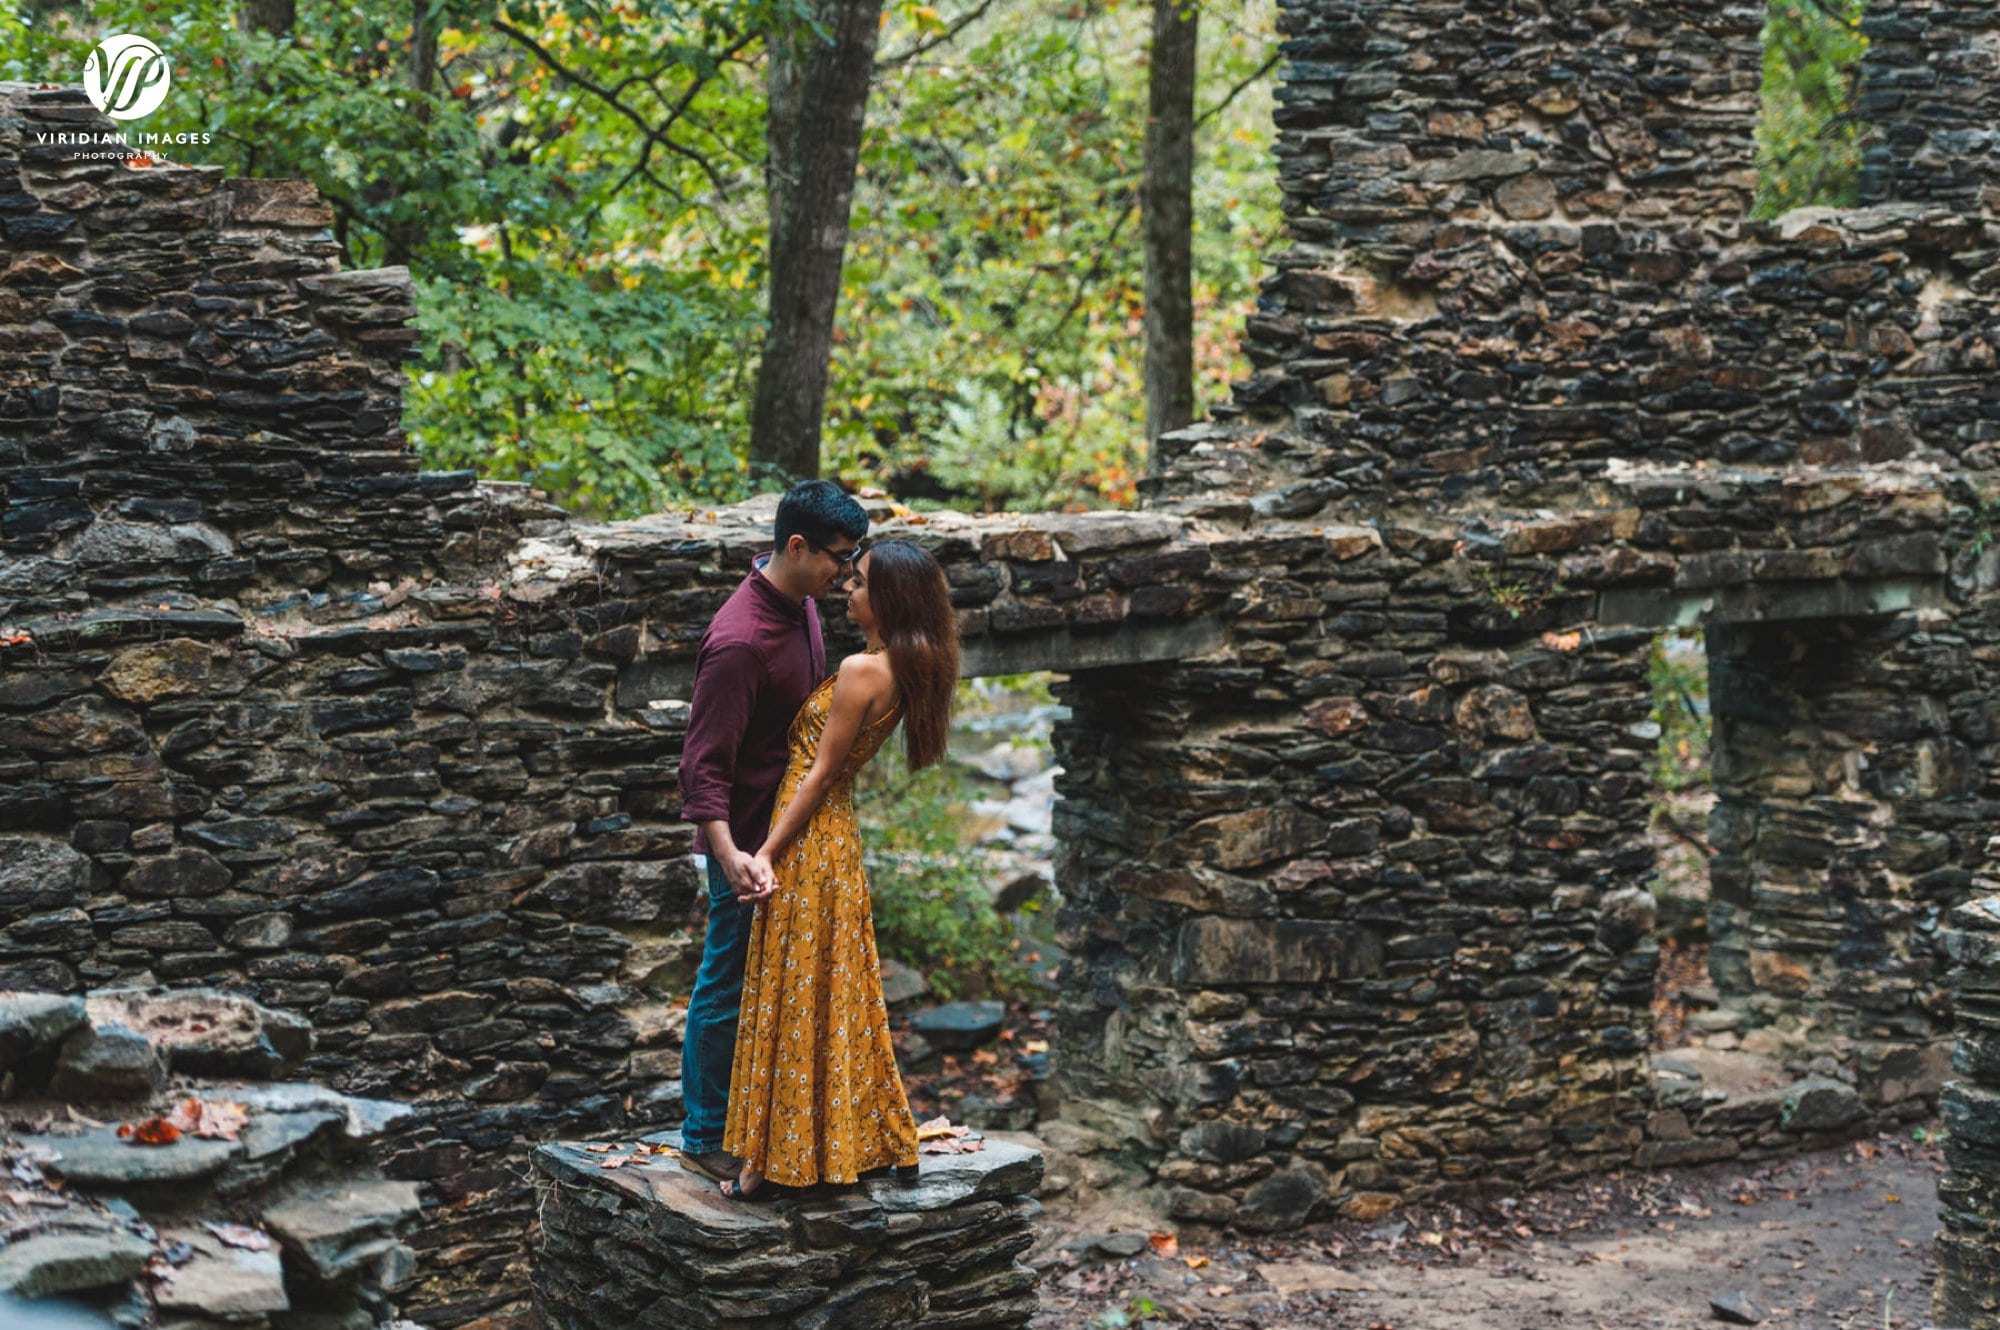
[1235,92]
[653,136]
[935,40]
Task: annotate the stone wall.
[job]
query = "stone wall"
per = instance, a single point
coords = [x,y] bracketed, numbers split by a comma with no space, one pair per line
[1929,92]
[1580,396]
[1968,1246]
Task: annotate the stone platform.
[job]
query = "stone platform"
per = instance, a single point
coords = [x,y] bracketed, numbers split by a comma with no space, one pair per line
[648,1244]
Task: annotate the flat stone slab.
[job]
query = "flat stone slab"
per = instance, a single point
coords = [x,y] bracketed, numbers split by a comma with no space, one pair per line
[274,1133]
[687,1204]
[221,1280]
[363,1117]
[98,1158]
[1001,1169]
[336,1228]
[51,1263]
[958,1026]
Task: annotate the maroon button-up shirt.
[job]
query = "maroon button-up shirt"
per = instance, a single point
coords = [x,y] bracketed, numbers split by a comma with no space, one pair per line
[759,660]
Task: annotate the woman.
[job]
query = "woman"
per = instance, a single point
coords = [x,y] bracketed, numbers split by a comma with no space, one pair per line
[814,1095]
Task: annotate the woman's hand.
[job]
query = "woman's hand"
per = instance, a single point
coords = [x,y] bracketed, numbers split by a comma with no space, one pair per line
[763,872]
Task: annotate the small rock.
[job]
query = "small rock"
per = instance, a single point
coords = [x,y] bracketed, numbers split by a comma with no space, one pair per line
[31,1022]
[108,1061]
[1121,1244]
[1735,1307]
[901,984]
[1009,761]
[1820,1104]
[960,1026]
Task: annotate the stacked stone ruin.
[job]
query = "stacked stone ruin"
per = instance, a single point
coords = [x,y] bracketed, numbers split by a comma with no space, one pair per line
[1356,776]
[255,1207]
[649,1244]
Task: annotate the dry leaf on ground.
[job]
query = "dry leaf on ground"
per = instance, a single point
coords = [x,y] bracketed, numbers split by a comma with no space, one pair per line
[153,1131]
[239,1235]
[210,1119]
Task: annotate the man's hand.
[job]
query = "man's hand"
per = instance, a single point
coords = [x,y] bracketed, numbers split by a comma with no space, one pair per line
[749,876]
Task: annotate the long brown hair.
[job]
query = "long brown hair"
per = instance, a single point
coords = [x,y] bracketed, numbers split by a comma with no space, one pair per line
[912,606]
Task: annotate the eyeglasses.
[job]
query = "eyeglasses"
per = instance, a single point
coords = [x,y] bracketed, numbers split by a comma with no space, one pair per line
[839,560]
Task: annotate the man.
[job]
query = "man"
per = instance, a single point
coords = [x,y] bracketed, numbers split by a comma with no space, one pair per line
[759,660]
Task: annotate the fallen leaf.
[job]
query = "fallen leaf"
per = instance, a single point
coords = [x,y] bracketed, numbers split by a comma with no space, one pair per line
[210,1119]
[1195,1262]
[937,1128]
[239,1235]
[153,1131]
[614,1161]
[1165,1246]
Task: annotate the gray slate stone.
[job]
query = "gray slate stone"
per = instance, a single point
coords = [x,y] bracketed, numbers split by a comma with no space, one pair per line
[97,1158]
[1001,1169]
[959,1026]
[33,1022]
[108,1061]
[50,1263]
[222,1280]
[1821,1104]
[363,1117]
[37,873]
[273,1133]
[340,1228]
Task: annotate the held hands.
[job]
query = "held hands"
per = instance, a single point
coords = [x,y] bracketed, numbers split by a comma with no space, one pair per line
[750,877]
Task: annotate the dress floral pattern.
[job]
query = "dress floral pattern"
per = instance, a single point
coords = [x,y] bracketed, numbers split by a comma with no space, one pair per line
[814,1095]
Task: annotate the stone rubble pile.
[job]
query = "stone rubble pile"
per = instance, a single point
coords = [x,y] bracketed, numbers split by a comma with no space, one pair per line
[272,1220]
[647,1245]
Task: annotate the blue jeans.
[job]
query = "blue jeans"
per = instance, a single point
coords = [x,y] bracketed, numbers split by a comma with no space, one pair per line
[708,1048]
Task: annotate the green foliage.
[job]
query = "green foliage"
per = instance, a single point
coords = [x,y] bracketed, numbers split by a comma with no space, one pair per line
[1680,708]
[990,334]
[579,194]
[1808,141]
[932,910]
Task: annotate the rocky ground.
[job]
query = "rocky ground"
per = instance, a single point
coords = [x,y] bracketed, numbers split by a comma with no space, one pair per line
[1835,1239]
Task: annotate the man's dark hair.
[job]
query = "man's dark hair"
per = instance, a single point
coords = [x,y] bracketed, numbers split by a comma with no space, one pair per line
[819,510]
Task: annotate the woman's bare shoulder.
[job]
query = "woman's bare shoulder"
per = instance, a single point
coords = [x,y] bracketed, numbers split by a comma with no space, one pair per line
[866,674]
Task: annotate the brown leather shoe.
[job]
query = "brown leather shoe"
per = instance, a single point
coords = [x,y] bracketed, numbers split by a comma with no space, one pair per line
[719,1165]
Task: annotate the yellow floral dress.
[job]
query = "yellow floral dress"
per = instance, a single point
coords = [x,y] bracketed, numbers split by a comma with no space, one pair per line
[814,1094]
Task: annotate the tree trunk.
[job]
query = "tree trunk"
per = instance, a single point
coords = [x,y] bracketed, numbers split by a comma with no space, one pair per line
[1166,202]
[400,239]
[810,180]
[276,17]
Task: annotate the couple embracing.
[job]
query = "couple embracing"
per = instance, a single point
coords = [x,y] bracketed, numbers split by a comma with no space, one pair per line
[788,1071]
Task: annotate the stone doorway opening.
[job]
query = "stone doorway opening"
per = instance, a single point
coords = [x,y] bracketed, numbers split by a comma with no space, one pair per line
[1821,873]
[961,862]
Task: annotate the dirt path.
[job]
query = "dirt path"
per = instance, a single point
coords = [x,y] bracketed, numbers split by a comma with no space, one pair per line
[1823,1240]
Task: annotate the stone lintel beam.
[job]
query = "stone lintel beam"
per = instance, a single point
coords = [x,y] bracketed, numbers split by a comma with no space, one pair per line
[1758,602]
